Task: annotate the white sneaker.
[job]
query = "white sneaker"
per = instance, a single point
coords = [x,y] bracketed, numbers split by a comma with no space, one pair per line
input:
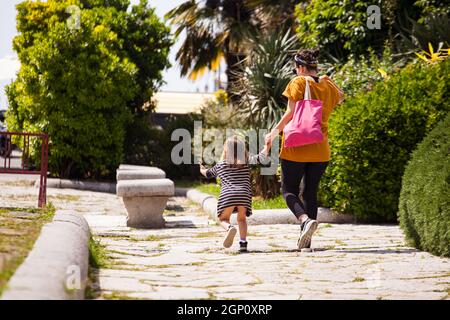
[307,247]
[229,238]
[309,228]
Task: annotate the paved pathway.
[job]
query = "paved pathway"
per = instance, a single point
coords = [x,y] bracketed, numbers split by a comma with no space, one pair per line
[185,260]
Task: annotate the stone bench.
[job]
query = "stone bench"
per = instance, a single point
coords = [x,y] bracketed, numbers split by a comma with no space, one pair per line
[145,201]
[133,167]
[144,173]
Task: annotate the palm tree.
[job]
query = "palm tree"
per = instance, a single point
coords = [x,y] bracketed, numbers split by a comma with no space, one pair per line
[275,13]
[266,73]
[262,80]
[214,30]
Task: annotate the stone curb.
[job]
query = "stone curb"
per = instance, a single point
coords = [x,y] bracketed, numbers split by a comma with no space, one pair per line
[57,266]
[108,187]
[259,217]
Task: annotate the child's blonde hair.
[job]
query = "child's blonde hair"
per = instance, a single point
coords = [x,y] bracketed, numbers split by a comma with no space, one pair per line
[235,152]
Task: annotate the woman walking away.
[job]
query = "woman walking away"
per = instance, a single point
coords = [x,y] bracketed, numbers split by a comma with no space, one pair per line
[307,161]
[235,188]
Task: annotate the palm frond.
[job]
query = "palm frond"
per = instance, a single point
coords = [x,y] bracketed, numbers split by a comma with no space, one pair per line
[267,71]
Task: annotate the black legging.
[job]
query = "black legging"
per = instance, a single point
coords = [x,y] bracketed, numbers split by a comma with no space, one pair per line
[291,176]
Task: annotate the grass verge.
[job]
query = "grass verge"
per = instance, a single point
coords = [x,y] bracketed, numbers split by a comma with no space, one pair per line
[19,229]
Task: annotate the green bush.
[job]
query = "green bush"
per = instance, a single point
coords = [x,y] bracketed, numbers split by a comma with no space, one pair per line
[424,209]
[361,74]
[372,135]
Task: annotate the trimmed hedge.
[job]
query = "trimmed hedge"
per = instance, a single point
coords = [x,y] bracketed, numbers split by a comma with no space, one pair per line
[424,209]
[372,135]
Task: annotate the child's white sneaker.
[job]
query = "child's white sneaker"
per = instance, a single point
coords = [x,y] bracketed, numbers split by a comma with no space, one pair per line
[229,238]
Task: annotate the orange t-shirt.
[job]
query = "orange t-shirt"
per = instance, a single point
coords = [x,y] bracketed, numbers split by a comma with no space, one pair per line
[326,91]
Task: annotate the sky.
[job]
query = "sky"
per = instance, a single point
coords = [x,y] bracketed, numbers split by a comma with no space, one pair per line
[9,63]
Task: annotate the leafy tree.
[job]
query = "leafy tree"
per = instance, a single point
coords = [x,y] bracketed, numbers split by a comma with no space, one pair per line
[83,84]
[339,27]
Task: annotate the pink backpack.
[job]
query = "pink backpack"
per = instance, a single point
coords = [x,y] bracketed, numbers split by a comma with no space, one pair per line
[305,126]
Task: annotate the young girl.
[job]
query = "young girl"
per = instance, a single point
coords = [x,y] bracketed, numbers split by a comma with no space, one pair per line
[235,187]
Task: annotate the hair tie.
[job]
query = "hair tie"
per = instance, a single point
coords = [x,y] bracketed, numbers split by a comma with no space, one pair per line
[303,62]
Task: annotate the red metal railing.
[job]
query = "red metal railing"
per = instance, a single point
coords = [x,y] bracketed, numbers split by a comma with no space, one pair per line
[25,168]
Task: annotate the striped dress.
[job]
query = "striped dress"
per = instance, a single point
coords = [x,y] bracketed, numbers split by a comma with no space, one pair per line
[235,185]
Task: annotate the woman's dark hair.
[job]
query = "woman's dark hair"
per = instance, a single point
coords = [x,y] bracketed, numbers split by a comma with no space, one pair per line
[307,58]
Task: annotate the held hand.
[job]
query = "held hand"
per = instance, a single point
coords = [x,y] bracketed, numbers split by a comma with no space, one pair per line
[270,136]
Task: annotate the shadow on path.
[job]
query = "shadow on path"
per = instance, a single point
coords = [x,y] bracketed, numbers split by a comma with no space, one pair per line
[370,251]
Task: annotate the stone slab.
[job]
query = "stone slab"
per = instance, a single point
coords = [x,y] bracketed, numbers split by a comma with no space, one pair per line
[150,173]
[145,188]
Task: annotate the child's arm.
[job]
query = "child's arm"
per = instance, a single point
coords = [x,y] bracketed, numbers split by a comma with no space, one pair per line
[262,157]
[209,173]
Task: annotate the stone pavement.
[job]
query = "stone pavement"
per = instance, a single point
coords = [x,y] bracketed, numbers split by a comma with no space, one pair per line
[186,260]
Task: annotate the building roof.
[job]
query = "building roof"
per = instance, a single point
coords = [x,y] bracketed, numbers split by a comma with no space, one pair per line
[180,102]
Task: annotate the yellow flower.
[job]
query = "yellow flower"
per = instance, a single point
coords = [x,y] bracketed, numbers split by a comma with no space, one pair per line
[383,73]
[433,57]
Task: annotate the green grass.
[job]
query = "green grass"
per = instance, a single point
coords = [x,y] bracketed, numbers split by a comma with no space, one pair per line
[209,234]
[275,203]
[117,295]
[154,237]
[98,256]
[214,189]
[18,239]
[65,197]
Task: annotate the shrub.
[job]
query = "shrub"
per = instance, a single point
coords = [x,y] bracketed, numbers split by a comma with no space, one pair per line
[424,209]
[363,73]
[372,135]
